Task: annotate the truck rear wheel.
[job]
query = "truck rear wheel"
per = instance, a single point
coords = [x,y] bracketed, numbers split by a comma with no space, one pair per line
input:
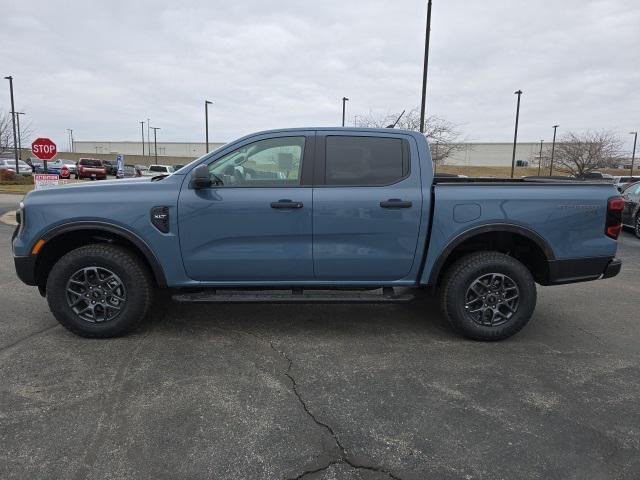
[99,291]
[488,296]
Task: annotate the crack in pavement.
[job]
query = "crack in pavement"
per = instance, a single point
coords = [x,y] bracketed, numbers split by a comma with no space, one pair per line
[27,337]
[344,457]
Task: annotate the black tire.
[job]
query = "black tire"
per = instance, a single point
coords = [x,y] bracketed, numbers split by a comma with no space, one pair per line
[637,226]
[126,269]
[456,291]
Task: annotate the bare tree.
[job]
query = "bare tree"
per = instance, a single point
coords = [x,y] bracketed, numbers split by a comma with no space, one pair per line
[6,133]
[443,135]
[582,153]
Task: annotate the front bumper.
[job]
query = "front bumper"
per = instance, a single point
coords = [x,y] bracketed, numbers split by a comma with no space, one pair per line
[26,269]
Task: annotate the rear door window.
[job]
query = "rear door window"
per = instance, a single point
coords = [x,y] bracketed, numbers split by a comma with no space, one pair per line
[365,161]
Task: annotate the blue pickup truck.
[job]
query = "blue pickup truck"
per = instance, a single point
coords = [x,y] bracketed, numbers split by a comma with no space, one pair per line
[314,215]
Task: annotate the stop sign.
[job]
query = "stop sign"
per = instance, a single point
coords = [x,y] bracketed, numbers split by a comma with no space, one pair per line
[44,148]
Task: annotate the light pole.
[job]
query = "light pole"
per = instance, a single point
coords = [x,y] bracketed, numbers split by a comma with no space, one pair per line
[70,132]
[149,136]
[355,120]
[155,141]
[515,135]
[553,149]
[19,137]
[540,159]
[633,155]
[13,120]
[344,103]
[206,122]
[425,67]
[142,132]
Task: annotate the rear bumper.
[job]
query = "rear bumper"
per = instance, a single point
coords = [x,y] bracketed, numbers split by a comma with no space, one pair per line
[583,269]
[26,269]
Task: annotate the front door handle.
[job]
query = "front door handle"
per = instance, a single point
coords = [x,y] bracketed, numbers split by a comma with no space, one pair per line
[396,203]
[286,204]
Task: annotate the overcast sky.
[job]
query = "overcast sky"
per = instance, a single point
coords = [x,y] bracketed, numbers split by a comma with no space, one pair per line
[101,67]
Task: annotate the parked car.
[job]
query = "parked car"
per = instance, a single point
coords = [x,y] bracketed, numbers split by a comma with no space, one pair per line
[91,168]
[355,211]
[597,176]
[37,165]
[111,166]
[142,169]
[131,171]
[631,212]
[24,168]
[178,166]
[55,167]
[621,182]
[154,170]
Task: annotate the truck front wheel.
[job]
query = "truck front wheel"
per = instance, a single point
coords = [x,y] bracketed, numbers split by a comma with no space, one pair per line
[488,296]
[99,290]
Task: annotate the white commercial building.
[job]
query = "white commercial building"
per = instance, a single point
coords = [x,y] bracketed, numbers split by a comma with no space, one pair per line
[165,149]
[469,154]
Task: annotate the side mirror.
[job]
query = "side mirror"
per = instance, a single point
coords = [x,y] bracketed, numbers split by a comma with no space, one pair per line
[200,177]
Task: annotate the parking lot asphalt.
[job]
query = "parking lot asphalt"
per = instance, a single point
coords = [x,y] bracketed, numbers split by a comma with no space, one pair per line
[324,392]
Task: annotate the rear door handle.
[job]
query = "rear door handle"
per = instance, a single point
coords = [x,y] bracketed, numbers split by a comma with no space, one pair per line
[396,203]
[286,204]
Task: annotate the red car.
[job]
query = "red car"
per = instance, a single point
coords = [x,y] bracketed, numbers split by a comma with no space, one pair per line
[91,168]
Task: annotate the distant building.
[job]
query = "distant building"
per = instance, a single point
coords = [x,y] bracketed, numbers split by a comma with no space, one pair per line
[165,149]
[470,154]
[495,154]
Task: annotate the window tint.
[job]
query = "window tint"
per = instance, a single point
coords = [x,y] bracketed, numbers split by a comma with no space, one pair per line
[364,161]
[157,168]
[270,162]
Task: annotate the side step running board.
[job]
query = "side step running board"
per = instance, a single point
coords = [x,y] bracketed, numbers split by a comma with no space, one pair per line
[381,295]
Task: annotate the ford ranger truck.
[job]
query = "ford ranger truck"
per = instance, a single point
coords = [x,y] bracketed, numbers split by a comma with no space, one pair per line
[314,215]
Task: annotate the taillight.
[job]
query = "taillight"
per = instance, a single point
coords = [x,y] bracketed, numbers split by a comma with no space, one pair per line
[615,205]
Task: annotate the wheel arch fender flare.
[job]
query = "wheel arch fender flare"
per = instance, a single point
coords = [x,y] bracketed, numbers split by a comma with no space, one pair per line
[530,234]
[136,240]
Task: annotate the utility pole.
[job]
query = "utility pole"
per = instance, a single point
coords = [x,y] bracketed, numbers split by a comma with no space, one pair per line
[19,137]
[149,136]
[155,141]
[344,103]
[206,123]
[142,130]
[633,155]
[13,120]
[540,159]
[515,135]
[425,68]
[553,149]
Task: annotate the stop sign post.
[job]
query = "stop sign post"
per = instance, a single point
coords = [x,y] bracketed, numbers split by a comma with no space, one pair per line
[44,149]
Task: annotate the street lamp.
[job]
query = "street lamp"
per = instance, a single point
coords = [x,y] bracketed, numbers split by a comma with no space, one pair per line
[553,149]
[19,136]
[70,133]
[344,103]
[142,131]
[355,120]
[149,136]
[540,159]
[633,155]
[206,122]
[425,67]
[13,120]
[515,135]
[155,141]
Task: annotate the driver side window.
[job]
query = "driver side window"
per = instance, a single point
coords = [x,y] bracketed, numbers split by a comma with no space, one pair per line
[271,162]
